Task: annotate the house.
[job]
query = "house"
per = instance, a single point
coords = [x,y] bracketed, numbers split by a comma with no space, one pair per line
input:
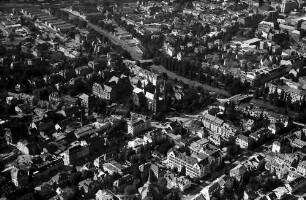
[136,144]
[276,147]
[84,131]
[28,148]
[68,100]
[82,71]
[103,91]
[210,190]
[195,167]
[243,141]
[50,163]
[281,163]
[76,151]
[123,181]
[138,97]
[85,185]
[19,177]
[298,143]
[84,98]
[301,168]
[274,128]
[183,183]
[296,185]
[138,123]
[238,172]
[105,195]
[156,169]
[113,167]
[114,88]
[218,126]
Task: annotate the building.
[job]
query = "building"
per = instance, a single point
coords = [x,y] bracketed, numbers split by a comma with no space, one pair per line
[276,147]
[115,88]
[113,167]
[19,177]
[281,163]
[298,143]
[123,181]
[138,123]
[288,6]
[238,171]
[54,98]
[183,183]
[244,142]
[296,185]
[50,163]
[218,126]
[84,98]
[75,152]
[103,91]
[194,167]
[84,131]
[105,195]
[301,169]
[289,88]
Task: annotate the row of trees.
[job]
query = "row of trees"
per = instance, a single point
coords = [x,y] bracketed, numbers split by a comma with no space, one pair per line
[193,70]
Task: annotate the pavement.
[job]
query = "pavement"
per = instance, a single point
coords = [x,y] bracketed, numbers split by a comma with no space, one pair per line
[206,87]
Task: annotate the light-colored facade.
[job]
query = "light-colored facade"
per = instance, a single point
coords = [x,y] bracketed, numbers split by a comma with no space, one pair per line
[194,168]
[218,126]
[74,153]
[102,92]
[138,123]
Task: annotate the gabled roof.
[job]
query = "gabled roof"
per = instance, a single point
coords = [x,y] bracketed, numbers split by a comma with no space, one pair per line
[114,79]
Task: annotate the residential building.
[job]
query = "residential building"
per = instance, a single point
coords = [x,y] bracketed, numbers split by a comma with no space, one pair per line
[238,171]
[105,195]
[295,93]
[50,163]
[77,151]
[244,142]
[103,91]
[218,126]
[194,167]
[84,131]
[138,123]
[113,167]
[298,143]
[114,88]
[296,185]
[123,181]
[19,177]
[84,98]
[301,168]
[182,183]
